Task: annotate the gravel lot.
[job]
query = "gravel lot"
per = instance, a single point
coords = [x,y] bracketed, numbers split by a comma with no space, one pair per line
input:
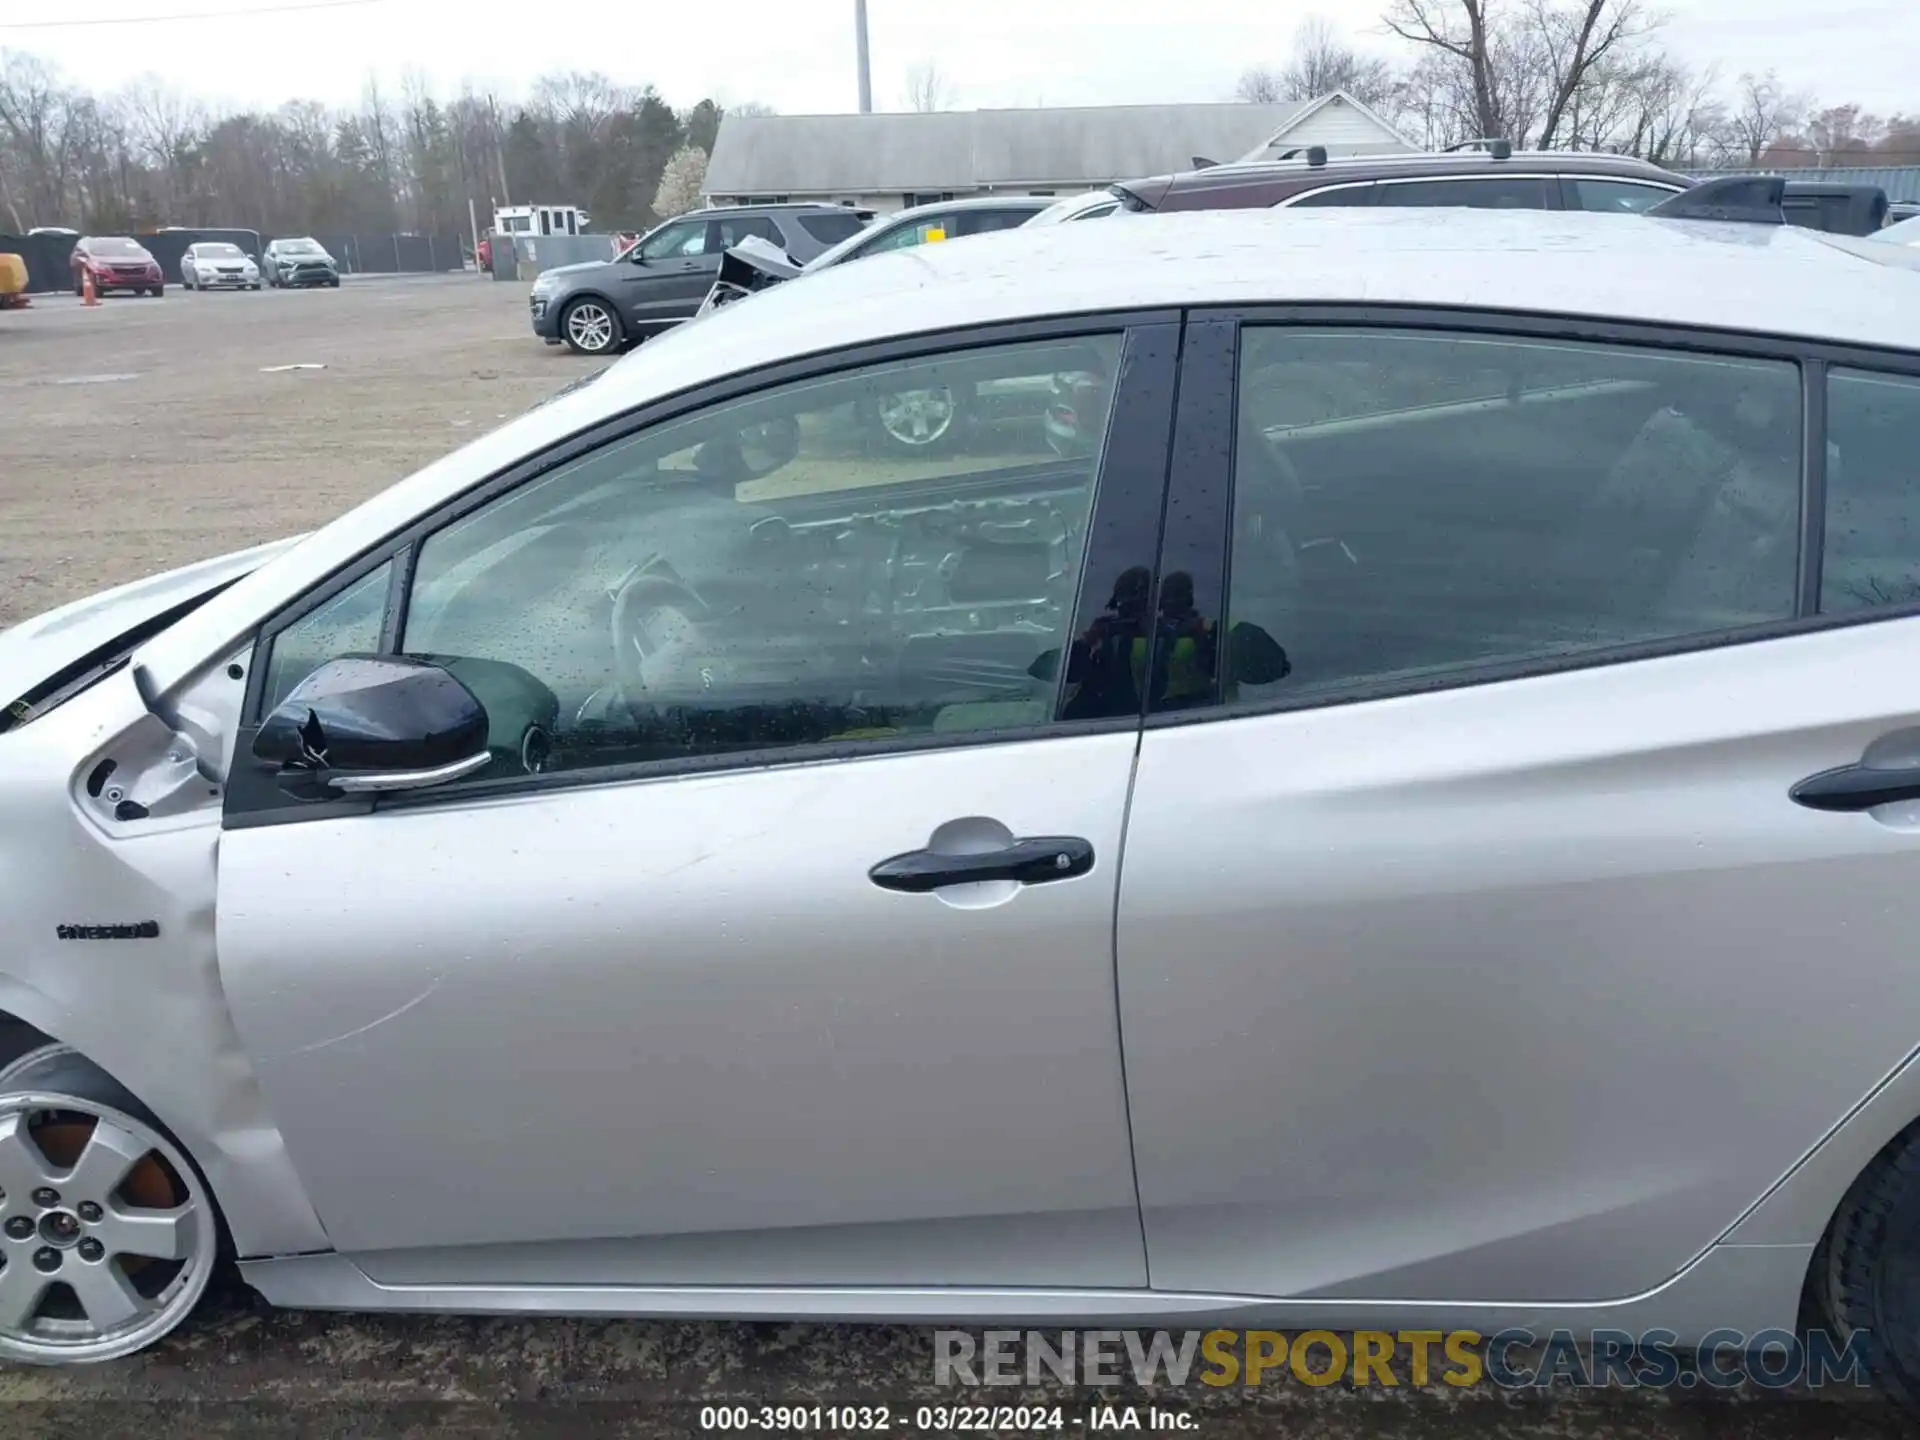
[144,434]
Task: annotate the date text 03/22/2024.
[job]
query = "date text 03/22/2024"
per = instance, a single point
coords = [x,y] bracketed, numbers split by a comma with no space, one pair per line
[941,1419]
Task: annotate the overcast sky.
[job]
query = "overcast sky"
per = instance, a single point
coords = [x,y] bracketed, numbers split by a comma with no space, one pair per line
[797,55]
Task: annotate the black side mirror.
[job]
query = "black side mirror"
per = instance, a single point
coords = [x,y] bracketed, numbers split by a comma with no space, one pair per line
[364,723]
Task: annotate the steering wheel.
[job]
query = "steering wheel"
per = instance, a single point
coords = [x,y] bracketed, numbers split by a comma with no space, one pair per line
[657,642]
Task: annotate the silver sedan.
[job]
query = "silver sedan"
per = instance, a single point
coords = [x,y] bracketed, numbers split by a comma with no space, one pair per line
[1413,820]
[217,265]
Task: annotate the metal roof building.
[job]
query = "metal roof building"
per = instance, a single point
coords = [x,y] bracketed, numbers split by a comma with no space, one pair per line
[889,161]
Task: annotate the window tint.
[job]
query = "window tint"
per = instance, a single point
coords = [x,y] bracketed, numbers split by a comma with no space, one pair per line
[830,229]
[689,237]
[1413,503]
[886,552]
[1873,492]
[734,229]
[1617,197]
[1341,195]
[1490,192]
[347,624]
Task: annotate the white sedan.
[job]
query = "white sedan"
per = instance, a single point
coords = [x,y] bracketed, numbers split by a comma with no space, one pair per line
[218,265]
[1415,822]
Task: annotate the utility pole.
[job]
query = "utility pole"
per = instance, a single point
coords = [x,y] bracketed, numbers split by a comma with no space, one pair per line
[860,49]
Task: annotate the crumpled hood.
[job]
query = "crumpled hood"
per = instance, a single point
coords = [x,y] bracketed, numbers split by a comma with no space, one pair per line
[37,648]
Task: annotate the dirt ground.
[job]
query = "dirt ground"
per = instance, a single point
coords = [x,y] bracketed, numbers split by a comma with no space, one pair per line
[144,434]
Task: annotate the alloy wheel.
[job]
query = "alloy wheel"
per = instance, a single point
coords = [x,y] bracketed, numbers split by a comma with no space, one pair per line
[590,327]
[106,1238]
[917,418]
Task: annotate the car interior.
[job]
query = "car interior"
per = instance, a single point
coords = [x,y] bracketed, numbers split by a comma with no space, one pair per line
[766,575]
[1410,503]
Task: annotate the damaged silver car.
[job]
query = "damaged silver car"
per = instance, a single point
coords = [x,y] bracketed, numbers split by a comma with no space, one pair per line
[1410,820]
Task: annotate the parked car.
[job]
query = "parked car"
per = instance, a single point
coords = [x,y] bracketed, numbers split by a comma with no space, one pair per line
[918,421]
[115,262]
[755,264]
[1414,722]
[1491,177]
[1087,205]
[298,261]
[1901,232]
[215,265]
[597,307]
[1482,175]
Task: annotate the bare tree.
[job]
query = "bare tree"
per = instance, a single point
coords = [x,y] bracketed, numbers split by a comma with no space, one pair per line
[1515,68]
[1259,85]
[1323,62]
[928,88]
[681,183]
[1763,111]
[749,109]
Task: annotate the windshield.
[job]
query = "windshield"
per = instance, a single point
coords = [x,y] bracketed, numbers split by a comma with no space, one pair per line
[114,245]
[298,247]
[219,252]
[1905,232]
[1086,204]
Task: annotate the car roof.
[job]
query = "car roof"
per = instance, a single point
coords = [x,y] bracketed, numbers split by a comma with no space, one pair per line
[1775,279]
[709,211]
[1423,164]
[914,214]
[970,202]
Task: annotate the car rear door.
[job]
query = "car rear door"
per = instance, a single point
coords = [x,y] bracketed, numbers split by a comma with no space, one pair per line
[720,992]
[1486,956]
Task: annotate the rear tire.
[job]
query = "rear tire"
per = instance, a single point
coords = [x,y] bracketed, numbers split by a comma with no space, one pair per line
[1866,1273]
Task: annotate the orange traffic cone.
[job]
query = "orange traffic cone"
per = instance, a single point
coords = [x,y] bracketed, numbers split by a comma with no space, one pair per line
[87,294]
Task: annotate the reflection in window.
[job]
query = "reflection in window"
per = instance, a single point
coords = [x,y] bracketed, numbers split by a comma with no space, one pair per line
[1414,503]
[346,624]
[881,553]
[1873,492]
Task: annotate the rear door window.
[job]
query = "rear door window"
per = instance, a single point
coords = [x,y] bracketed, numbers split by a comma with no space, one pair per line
[731,231]
[1418,505]
[1872,557]
[1612,197]
[1476,192]
[1338,195]
[985,222]
[830,229]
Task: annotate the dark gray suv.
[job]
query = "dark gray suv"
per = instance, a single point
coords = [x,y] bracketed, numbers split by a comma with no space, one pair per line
[662,279]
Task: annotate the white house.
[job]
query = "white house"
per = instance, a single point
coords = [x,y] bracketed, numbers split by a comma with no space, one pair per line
[887,162]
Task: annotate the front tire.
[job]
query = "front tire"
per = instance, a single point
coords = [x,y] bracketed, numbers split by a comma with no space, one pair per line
[109,1233]
[589,327]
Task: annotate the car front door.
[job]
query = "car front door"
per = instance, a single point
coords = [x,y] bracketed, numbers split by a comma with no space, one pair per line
[1485,956]
[667,275]
[709,985]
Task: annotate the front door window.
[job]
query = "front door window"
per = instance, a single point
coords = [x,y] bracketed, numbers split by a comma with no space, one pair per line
[884,553]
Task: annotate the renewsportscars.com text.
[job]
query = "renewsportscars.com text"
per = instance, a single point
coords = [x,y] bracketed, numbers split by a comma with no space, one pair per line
[1508,1359]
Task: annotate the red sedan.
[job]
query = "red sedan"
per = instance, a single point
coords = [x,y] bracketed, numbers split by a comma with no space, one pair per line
[116,263]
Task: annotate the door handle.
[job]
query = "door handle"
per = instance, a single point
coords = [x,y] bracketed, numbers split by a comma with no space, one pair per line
[1030,862]
[1856,787]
